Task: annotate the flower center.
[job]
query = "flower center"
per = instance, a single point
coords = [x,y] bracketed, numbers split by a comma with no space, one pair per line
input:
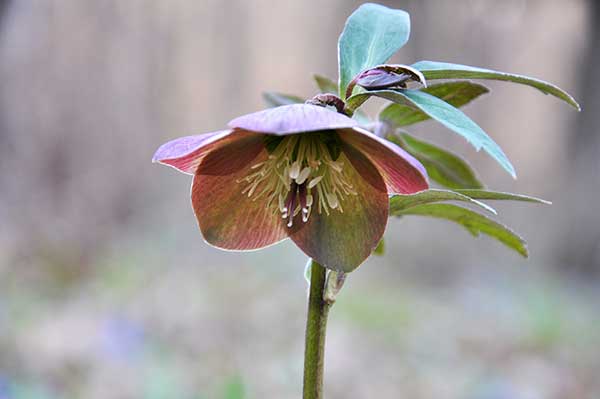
[302,172]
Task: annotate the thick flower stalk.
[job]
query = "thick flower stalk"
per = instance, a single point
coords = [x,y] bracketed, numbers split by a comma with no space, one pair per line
[298,171]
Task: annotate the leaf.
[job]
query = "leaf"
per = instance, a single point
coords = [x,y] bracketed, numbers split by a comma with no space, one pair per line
[372,34]
[325,84]
[456,94]
[442,166]
[499,195]
[444,70]
[474,222]
[399,203]
[380,249]
[274,99]
[450,117]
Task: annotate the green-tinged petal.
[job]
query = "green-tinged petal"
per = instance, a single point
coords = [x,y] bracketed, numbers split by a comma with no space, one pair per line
[446,70]
[443,167]
[474,222]
[456,94]
[402,173]
[229,219]
[343,240]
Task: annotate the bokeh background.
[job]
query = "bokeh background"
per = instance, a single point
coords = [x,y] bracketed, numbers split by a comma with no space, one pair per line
[108,291]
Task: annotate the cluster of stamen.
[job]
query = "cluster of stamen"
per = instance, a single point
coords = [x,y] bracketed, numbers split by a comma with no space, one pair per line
[301,173]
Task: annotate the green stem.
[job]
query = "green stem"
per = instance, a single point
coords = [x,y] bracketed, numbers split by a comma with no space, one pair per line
[316,326]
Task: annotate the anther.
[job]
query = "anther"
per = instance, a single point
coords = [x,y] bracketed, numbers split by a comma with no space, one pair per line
[332,200]
[303,175]
[294,170]
[314,181]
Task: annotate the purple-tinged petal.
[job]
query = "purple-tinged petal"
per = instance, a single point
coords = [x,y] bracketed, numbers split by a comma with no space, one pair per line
[186,153]
[402,173]
[343,240]
[227,218]
[290,119]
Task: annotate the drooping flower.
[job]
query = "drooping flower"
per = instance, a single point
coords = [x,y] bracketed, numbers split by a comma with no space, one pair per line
[300,171]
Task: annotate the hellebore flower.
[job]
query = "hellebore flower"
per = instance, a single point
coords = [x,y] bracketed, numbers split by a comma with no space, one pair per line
[300,171]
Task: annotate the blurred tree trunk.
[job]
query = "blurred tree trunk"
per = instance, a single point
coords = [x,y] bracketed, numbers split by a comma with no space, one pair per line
[582,246]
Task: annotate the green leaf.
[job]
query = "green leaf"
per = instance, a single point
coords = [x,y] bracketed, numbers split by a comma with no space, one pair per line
[372,34]
[456,94]
[399,203]
[442,166]
[444,70]
[380,249]
[474,222]
[499,195]
[325,84]
[451,117]
[274,99]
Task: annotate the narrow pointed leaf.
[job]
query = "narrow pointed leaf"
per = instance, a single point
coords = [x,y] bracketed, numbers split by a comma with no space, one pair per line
[498,195]
[325,84]
[399,203]
[474,222]
[380,249]
[443,167]
[445,70]
[456,94]
[451,117]
[372,34]
[274,99]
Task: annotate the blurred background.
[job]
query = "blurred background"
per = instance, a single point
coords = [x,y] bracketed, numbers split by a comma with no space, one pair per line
[107,289]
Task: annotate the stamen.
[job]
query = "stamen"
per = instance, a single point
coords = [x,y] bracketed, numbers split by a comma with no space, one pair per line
[332,200]
[294,170]
[314,181]
[309,200]
[303,175]
[298,174]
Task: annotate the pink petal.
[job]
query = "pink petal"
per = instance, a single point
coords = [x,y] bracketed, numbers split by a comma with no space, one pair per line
[186,153]
[293,118]
[229,219]
[402,173]
[342,241]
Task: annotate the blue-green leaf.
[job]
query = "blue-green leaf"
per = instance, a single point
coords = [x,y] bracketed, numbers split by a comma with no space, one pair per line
[442,166]
[274,99]
[451,117]
[372,34]
[444,70]
[474,222]
[499,195]
[456,94]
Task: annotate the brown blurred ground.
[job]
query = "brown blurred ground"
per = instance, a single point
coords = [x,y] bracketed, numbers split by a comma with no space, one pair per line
[107,290]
